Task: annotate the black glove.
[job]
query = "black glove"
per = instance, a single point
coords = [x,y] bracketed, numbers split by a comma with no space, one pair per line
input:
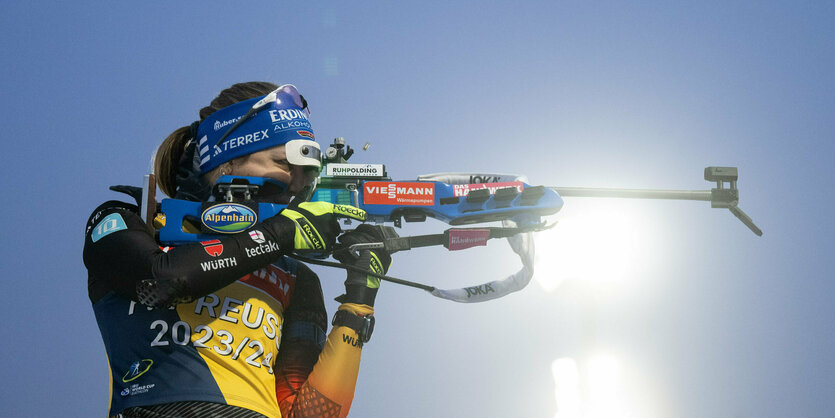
[316,225]
[359,287]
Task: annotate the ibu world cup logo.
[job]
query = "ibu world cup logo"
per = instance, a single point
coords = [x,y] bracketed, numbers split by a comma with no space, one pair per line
[138,368]
[228,218]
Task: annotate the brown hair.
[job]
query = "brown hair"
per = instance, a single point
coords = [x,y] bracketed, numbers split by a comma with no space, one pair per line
[170,152]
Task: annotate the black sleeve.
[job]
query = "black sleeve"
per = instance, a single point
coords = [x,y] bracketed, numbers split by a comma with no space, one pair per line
[121,255]
[302,338]
[307,302]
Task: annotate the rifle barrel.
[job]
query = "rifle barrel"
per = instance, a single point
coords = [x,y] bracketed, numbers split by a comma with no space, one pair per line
[634,193]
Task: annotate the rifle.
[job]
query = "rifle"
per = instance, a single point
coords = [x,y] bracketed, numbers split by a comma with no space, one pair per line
[454,198]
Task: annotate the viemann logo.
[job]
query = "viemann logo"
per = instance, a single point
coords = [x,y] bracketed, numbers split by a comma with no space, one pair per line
[228,218]
[399,193]
[138,368]
[393,190]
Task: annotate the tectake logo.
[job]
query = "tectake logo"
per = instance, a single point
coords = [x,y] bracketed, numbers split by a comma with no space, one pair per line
[214,248]
[257,236]
[261,249]
[228,218]
[399,193]
[138,368]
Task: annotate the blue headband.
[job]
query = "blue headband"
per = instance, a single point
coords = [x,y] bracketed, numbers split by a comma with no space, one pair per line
[274,123]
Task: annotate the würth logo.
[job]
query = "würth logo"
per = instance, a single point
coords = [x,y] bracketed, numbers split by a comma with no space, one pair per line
[213,247]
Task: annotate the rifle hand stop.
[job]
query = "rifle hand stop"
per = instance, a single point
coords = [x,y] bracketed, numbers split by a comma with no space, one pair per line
[721,197]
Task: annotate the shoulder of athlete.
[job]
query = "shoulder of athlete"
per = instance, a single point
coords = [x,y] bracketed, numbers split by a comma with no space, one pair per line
[109,217]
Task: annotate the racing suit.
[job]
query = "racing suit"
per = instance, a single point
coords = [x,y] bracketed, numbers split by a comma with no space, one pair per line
[243,336]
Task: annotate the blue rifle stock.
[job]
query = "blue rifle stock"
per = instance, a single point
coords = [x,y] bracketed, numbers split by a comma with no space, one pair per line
[385,201]
[481,199]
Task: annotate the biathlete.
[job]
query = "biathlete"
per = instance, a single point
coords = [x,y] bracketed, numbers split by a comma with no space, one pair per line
[232,327]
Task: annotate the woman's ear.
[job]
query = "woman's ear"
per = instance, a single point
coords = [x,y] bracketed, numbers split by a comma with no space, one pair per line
[226,168]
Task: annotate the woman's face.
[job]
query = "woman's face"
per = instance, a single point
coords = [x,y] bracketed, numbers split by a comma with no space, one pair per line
[272,163]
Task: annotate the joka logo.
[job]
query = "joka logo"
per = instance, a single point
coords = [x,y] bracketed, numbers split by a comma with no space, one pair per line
[479,290]
[257,236]
[138,368]
[484,178]
[228,218]
[214,248]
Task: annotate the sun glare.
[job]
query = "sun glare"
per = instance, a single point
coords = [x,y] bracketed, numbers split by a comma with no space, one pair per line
[566,387]
[597,240]
[605,400]
[593,391]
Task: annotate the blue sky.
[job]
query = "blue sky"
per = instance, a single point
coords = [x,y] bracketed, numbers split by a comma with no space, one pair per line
[703,318]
